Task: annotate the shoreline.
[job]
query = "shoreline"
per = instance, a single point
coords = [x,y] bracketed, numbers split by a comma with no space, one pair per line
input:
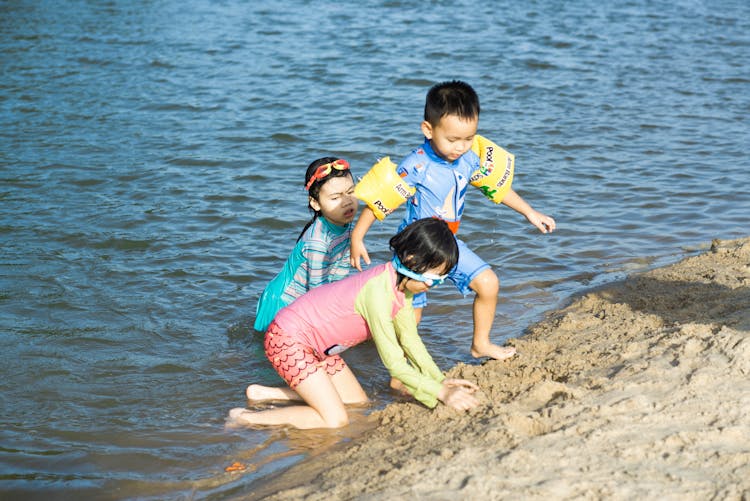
[636,389]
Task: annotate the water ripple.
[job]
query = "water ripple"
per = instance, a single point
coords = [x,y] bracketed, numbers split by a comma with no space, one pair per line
[151,172]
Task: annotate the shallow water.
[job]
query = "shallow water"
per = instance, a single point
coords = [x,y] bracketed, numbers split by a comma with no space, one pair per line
[151,157]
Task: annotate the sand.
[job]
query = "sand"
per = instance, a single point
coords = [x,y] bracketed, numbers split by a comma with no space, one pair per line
[638,390]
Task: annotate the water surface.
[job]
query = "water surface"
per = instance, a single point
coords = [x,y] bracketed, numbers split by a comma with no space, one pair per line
[151,162]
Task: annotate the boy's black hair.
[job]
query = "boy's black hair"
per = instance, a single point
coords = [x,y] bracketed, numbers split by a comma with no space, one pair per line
[314,190]
[424,244]
[451,98]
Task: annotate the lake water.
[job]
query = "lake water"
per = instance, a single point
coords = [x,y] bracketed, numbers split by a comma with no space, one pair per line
[151,161]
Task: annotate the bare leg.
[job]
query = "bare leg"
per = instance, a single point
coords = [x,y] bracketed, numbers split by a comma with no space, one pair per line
[349,393]
[324,410]
[260,393]
[418,314]
[486,285]
[348,388]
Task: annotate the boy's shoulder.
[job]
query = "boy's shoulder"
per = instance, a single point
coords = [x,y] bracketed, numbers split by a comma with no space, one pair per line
[413,163]
[417,155]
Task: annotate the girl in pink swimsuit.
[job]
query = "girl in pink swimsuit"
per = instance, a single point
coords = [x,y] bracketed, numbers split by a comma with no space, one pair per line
[305,338]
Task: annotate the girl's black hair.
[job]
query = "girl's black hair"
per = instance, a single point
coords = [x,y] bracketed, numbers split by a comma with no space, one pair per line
[314,190]
[425,244]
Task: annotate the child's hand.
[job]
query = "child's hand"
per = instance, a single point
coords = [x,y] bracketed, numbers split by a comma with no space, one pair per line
[457,394]
[462,383]
[358,250]
[544,223]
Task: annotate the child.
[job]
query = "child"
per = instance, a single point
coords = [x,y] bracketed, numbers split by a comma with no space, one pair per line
[440,171]
[322,251]
[305,338]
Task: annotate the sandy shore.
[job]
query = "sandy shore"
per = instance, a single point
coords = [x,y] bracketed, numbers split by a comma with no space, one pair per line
[639,390]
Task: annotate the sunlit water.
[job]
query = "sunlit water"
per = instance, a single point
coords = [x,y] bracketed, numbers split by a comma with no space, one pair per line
[151,161]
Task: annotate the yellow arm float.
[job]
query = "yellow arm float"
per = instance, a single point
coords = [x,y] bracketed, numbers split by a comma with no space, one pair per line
[382,189]
[495,173]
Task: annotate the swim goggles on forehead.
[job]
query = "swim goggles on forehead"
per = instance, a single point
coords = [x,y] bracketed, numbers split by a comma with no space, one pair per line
[325,169]
[428,278]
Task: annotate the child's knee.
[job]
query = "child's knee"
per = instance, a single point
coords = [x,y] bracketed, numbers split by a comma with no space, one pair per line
[336,420]
[486,283]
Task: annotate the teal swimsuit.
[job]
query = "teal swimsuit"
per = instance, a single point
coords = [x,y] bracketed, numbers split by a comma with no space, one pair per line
[321,256]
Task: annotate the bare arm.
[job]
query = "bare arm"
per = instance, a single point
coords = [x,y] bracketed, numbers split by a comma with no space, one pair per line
[544,223]
[358,249]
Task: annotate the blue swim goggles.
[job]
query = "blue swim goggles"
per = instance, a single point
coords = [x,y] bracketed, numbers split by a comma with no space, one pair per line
[428,278]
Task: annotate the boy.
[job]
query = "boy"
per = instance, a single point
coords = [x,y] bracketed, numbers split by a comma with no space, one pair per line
[440,171]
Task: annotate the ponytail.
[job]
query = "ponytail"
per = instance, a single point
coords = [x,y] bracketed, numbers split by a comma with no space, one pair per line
[309,223]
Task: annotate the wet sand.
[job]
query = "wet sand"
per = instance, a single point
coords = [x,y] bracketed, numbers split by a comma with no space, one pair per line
[637,390]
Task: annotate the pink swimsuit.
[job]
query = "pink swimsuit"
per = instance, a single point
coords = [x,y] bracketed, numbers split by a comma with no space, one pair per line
[307,335]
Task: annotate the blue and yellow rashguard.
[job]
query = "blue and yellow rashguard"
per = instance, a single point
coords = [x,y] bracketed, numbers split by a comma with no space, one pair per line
[440,192]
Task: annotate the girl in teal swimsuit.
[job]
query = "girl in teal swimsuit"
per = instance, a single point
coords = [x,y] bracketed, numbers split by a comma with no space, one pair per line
[321,254]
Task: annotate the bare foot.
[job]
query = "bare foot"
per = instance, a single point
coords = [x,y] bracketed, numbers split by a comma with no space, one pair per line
[257,393]
[236,418]
[493,351]
[260,393]
[397,385]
